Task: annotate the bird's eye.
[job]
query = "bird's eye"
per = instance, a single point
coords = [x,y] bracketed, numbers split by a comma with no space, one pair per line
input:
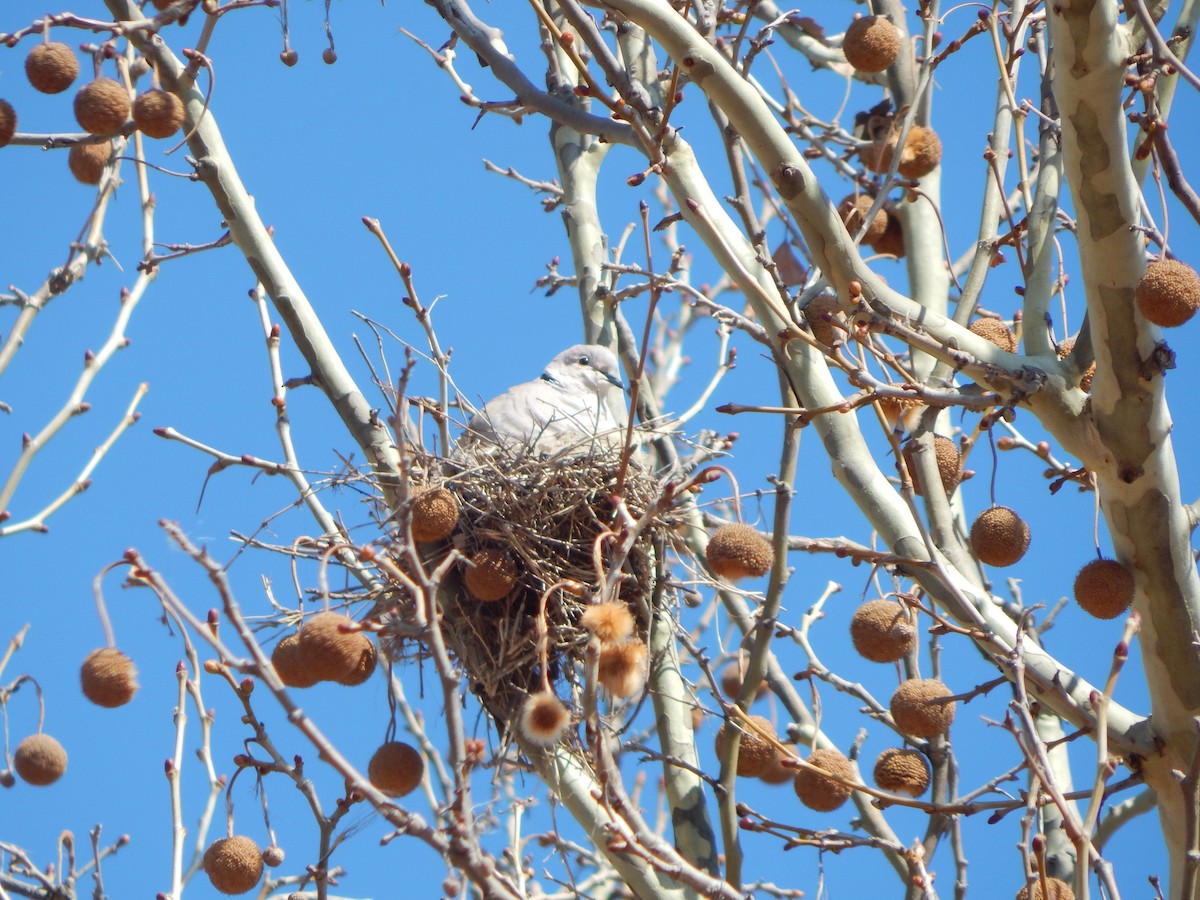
[584,360]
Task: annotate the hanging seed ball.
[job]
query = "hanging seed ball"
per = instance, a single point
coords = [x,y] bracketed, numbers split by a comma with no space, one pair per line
[396,768]
[731,682]
[611,622]
[290,665]
[40,760]
[882,631]
[819,792]
[543,719]
[902,771]
[754,753]
[622,667]
[776,772]
[853,211]
[1104,588]
[894,409]
[365,667]
[273,856]
[102,106]
[872,43]
[51,68]
[491,575]
[995,331]
[916,710]
[87,161]
[739,551]
[821,312]
[8,122]
[949,463]
[922,152]
[1056,889]
[108,677]
[1168,294]
[434,515]
[158,113]
[891,243]
[999,536]
[327,646]
[233,864]
[1064,350]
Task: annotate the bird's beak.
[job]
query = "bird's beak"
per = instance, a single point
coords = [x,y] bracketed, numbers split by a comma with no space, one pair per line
[615,381]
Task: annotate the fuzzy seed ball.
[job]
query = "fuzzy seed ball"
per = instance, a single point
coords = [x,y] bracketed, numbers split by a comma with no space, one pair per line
[1104,588]
[233,864]
[902,771]
[290,666]
[491,575]
[891,243]
[87,161]
[622,667]
[999,536]
[8,122]
[396,768]
[102,106]
[822,311]
[158,113]
[1168,294]
[739,551]
[995,331]
[543,719]
[896,409]
[882,631]
[51,68]
[108,677]
[853,211]
[1085,381]
[922,152]
[916,711]
[1056,889]
[754,753]
[611,622]
[434,515]
[819,792]
[872,43]
[327,646]
[365,667]
[40,760]
[949,463]
[273,856]
[731,682]
[776,772]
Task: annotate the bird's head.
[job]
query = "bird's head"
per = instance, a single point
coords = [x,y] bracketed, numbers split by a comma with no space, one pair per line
[586,365]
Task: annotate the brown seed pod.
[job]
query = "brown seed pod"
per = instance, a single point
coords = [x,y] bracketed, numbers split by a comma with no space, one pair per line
[396,768]
[273,856]
[87,161]
[233,864]
[738,551]
[883,631]
[891,243]
[819,792]
[999,536]
[1056,889]
[754,753]
[289,663]
[434,515]
[40,760]
[491,575]
[995,331]
[902,771]
[1168,294]
[872,43]
[8,122]
[621,668]
[543,719]
[922,152]
[611,621]
[949,463]
[916,708]
[329,648]
[108,677]
[822,311]
[1085,381]
[853,211]
[158,113]
[776,772]
[52,67]
[731,681]
[102,106]
[365,668]
[1104,588]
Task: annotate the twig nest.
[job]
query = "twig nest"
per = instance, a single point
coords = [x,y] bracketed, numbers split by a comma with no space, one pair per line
[822,311]
[739,551]
[543,719]
[872,43]
[102,106]
[108,677]
[87,161]
[289,663]
[1168,294]
[882,631]
[52,67]
[40,760]
[853,211]
[819,792]
[891,242]
[233,864]
[611,622]
[1104,588]
[396,768]
[621,669]
[434,515]
[902,771]
[999,536]
[491,575]
[158,113]
[755,753]
[1056,889]
[995,331]
[8,122]
[731,681]
[330,648]
[776,771]
[919,707]
[949,463]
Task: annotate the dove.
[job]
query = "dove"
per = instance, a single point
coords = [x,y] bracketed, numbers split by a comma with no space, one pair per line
[565,409]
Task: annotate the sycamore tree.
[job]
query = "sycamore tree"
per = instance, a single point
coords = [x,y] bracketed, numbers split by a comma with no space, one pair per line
[926,250]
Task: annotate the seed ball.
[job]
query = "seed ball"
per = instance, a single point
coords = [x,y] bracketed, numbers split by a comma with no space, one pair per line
[273,856]
[1104,588]
[822,311]
[739,551]
[902,771]
[329,56]
[776,772]
[819,792]
[233,864]
[158,113]
[872,43]
[995,331]
[1064,350]
[543,719]
[434,515]
[916,710]
[329,648]
[491,575]
[621,669]
[922,152]
[755,754]
[949,463]
[1168,294]
[108,677]
[882,631]
[51,68]
[853,211]
[102,106]
[87,161]
[999,536]
[611,621]
[731,682]
[161,4]
[365,667]
[289,57]
[891,243]
[290,665]
[1056,889]
[8,122]
[40,760]
[396,768]
[896,409]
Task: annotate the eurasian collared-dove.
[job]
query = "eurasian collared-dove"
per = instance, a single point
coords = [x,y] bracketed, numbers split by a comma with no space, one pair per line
[565,409]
